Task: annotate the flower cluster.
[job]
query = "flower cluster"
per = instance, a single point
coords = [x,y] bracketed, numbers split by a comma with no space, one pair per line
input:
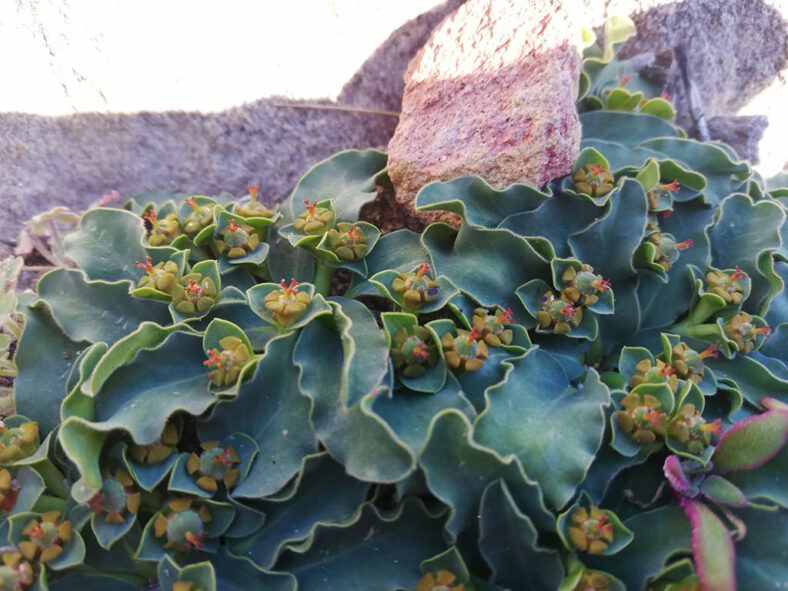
[216,464]
[591,531]
[641,418]
[287,304]
[315,220]
[692,430]
[559,313]
[466,351]
[413,351]
[195,293]
[226,365]
[347,241]
[494,327]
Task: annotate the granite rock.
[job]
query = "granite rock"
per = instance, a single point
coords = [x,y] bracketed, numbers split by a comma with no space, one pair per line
[492,93]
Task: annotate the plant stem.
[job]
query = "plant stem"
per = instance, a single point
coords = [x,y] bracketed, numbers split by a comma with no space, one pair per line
[323,275]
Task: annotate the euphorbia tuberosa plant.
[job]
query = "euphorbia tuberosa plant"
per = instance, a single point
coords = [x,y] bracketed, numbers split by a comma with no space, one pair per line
[224,396]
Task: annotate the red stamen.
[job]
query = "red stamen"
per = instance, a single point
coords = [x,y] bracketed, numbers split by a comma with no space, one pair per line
[253,189]
[710,352]
[666,214]
[192,202]
[151,217]
[666,371]
[421,351]
[672,187]
[506,317]
[737,275]
[94,504]
[289,289]
[624,80]
[311,208]
[766,331]
[214,359]
[147,265]
[353,235]
[595,169]
[665,96]
[602,285]
[36,532]
[684,245]
[569,311]
[223,458]
[233,227]
[193,541]
[474,335]
[194,287]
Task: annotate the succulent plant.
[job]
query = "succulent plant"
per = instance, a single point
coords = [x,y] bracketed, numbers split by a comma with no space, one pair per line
[500,406]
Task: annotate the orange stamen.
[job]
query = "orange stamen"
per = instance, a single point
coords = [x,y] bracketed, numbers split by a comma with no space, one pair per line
[714,428]
[684,245]
[766,331]
[253,189]
[665,96]
[624,80]
[569,311]
[602,285]
[424,268]
[710,352]
[151,217]
[672,187]
[232,227]
[36,532]
[311,207]
[596,169]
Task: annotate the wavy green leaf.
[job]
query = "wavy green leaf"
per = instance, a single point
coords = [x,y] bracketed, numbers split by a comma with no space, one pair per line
[477,202]
[553,428]
[458,470]
[349,178]
[508,542]
[97,310]
[270,409]
[386,551]
[108,244]
[323,495]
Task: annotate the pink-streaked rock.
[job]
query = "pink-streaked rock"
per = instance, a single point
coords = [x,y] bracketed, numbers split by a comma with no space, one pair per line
[492,93]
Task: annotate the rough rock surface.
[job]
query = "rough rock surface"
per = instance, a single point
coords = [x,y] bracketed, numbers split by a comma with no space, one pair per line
[737,56]
[492,93]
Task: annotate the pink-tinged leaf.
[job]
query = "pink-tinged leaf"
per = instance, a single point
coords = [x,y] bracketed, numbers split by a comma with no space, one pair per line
[721,490]
[773,404]
[674,474]
[752,442]
[712,548]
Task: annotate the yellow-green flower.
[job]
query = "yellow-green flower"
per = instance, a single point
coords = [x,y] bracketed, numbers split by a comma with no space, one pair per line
[287,304]
[595,180]
[493,327]
[641,419]
[590,533]
[416,288]
[315,220]
[194,293]
[466,351]
[442,580]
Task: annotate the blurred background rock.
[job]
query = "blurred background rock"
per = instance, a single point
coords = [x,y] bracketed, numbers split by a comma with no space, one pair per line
[195,95]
